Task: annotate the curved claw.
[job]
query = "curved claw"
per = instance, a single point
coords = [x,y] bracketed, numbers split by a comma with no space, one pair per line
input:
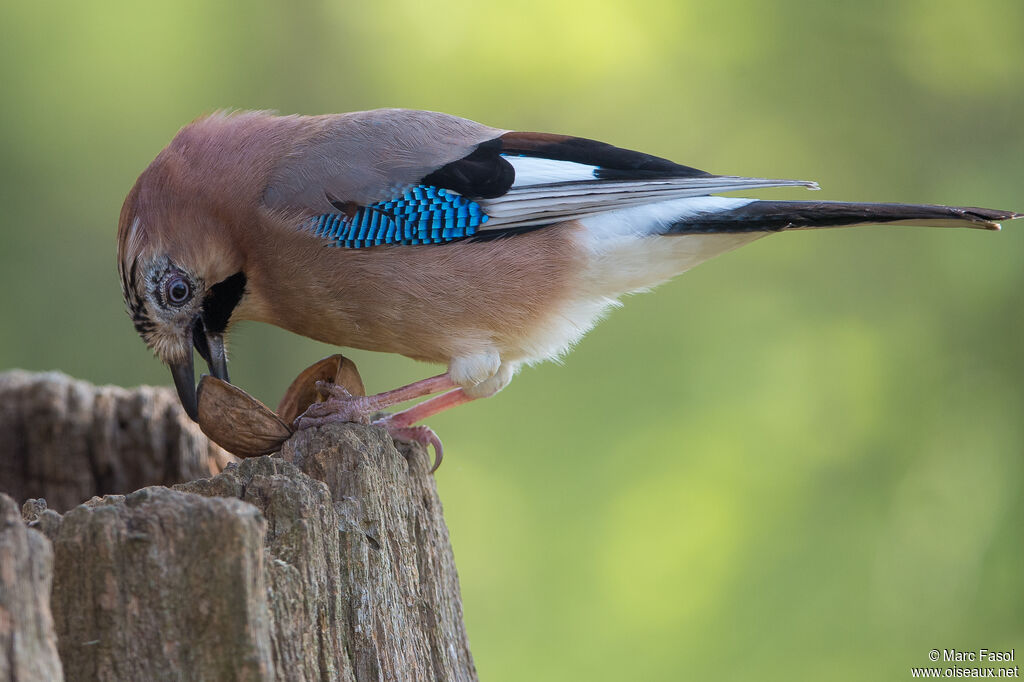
[424,435]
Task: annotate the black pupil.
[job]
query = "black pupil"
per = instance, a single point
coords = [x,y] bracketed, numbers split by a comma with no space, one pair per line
[178,291]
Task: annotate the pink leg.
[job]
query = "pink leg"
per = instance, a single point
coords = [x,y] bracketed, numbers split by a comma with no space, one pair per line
[400,424]
[341,406]
[428,408]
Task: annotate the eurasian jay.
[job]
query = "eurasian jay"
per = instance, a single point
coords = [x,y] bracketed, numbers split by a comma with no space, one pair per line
[428,235]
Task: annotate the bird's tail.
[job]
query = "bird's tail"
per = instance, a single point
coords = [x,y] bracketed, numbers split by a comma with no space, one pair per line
[775,216]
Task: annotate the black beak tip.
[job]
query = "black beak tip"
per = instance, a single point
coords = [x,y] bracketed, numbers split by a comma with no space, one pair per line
[184,382]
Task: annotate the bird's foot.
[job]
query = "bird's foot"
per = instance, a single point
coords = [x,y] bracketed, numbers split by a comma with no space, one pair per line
[342,406]
[424,435]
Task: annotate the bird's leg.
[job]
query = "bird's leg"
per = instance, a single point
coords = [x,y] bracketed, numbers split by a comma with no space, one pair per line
[400,424]
[427,409]
[341,406]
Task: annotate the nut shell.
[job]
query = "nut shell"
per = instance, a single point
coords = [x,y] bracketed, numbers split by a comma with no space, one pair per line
[245,427]
[236,421]
[303,392]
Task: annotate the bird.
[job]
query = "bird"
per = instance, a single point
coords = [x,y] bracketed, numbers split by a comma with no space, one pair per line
[430,236]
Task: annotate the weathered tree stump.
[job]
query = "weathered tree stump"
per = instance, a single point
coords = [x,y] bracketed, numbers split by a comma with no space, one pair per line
[67,440]
[328,562]
[28,647]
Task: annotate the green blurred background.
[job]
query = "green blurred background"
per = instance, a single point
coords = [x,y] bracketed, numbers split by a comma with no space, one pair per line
[800,461]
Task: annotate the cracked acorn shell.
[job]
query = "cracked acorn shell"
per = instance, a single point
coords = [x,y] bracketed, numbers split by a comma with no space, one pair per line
[245,427]
[302,393]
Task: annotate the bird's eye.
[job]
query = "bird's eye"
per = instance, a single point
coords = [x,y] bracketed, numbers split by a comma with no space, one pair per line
[177,290]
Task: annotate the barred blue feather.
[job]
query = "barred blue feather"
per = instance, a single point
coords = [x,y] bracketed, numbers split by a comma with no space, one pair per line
[423,215]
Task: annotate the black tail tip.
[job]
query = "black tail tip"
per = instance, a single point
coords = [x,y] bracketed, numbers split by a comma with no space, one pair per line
[989,219]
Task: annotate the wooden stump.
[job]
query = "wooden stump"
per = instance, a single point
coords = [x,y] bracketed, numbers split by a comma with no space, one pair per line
[328,562]
[28,646]
[67,440]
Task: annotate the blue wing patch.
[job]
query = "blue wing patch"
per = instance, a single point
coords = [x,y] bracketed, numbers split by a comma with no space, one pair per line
[423,215]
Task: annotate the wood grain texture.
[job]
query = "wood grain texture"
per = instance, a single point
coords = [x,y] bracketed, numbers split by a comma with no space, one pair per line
[161,585]
[67,440]
[334,565]
[28,643]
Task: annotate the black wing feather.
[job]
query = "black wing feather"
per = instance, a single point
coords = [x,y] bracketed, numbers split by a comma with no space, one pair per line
[485,174]
[482,174]
[612,162]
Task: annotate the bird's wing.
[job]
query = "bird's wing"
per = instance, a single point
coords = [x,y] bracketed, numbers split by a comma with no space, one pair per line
[367,157]
[412,177]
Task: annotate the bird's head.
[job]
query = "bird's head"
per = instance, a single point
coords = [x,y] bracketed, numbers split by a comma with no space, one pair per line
[181,276]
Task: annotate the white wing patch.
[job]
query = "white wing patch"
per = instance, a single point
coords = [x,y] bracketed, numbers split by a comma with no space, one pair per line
[531,170]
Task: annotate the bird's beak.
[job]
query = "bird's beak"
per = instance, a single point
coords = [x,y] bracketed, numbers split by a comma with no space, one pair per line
[185,382]
[211,347]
